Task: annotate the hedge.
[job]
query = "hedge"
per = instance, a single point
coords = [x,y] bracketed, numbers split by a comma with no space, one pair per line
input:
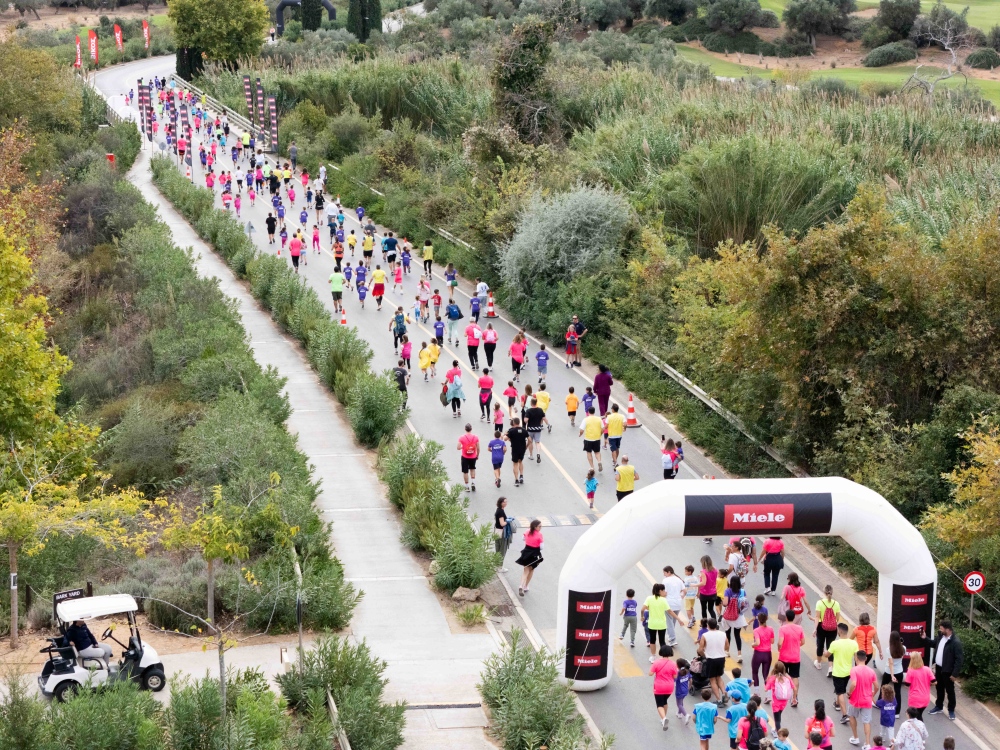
[984,59]
[889,54]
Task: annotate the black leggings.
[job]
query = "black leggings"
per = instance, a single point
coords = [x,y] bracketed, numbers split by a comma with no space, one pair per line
[823,640]
[488,349]
[777,720]
[772,568]
[474,356]
[427,266]
[897,688]
[735,631]
[396,339]
[484,406]
[456,405]
[661,634]
[707,605]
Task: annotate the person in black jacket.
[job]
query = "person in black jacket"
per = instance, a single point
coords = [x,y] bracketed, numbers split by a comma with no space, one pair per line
[947,663]
[86,645]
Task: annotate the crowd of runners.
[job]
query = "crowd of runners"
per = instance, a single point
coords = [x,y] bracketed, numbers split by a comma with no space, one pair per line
[713,603]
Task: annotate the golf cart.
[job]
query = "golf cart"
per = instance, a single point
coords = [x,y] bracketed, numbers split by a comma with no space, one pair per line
[66,671]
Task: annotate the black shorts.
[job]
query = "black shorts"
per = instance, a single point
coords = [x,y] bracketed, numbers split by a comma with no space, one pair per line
[623,494]
[662,700]
[572,414]
[511,400]
[591,446]
[794,668]
[337,295]
[840,685]
[715,667]
[468,464]
[517,455]
[367,253]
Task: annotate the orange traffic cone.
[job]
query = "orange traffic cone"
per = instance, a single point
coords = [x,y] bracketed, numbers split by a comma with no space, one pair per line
[490,311]
[187,172]
[343,317]
[631,420]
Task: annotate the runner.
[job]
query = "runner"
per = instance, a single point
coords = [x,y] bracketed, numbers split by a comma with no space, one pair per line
[531,555]
[378,285]
[502,531]
[517,436]
[453,313]
[774,561]
[664,672]
[534,419]
[602,387]
[473,335]
[337,280]
[468,446]
[591,430]
[793,598]
[791,639]
[615,431]
[625,477]
[402,376]
[454,394]
[398,327]
[841,655]
[516,350]
[712,644]
[451,279]
[497,448]
[272,224]
[485,394]
[295,250]
[580,330]
[827,616]
[490,337]
[428,256]
[861,688]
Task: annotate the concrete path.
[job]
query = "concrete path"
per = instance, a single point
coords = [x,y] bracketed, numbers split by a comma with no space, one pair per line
[553,491]
[400,616]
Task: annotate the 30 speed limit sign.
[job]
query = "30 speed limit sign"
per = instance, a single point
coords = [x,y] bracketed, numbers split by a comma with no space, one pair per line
[974,582]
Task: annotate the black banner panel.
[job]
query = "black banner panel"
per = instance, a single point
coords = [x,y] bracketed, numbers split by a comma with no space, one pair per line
[588,635]
[913,612]
[761,515]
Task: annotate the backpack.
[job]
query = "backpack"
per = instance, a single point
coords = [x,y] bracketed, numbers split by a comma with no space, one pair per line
[755,733]
[454,312]
[783,689]
[742,567]
[735,607]
[817,726]
[400,324]
[746,546]
[796,606]
[696,666]
[829,617]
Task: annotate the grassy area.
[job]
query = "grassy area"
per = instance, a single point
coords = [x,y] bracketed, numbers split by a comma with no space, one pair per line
[982,13]
[896,74]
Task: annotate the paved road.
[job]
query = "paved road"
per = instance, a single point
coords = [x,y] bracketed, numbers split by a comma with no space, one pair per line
[553,489]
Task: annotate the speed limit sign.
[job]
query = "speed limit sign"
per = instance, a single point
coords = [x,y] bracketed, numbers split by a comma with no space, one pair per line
[974,582]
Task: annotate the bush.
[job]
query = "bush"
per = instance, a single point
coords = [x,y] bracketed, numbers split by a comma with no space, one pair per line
[465,554]
[768,19]
[745,42]
[877,35]
[831,87]
[407,461]
[427,515]
[528,705]
[889,54]
[985,58]
[354,677]
[141,449]
[375,407]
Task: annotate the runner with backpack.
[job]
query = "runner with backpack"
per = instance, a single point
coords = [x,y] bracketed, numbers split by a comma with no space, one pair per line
[826,619]
[782,691]
[735,604]
[793,598]
[752,729]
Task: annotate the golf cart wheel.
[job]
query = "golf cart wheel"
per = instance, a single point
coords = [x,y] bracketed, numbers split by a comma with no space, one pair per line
[154,680]
[65,690]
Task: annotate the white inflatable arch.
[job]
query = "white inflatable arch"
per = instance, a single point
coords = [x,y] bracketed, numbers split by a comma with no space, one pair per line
[588,598]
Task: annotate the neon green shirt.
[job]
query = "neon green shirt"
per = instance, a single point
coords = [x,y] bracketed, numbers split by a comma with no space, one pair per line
[657,606]
[843,650]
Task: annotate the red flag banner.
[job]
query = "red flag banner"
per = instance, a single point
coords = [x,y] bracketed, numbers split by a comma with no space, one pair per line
[92,41]
[272,107]
[79,56]
[261,119]
[248,94]
[119,42]
[145,33]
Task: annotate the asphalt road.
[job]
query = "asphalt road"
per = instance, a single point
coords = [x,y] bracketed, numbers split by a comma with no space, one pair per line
[553,489]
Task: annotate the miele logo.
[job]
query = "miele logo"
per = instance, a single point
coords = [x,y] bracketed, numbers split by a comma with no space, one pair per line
[764,517]
[914,600]
[590,607]
[911,627]
[589,635]
[911,652]
[586,661]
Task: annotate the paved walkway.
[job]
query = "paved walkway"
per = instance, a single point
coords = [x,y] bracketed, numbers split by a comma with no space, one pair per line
[400,616]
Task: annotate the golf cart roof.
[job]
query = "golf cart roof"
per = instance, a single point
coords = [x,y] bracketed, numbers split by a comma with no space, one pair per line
[90,607]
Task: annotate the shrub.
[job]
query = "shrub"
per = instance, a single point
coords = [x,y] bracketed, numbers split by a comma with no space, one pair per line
[375,407]
[745,42]
[528,705]
[877,35]
[472,614]
[832,87]
[407,461]
[465,554]
[427,515]
[985,58]
[993,38]
[354,677]
[141,449]
[129,718]
[768,19]
[889,54]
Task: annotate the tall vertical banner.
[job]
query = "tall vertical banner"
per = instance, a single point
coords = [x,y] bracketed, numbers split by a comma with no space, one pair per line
[79,57]
[145,33]
[272,108]
[143,125]
[185,120]
[248,95]
[260,106]
[92,42]
[147,108]
[119,39]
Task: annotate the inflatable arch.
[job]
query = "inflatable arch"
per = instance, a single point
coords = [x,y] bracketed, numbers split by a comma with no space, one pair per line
[280,12]
[588,598]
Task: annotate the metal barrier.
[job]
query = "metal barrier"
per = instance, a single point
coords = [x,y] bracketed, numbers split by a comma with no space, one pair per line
[235,118]
[345,744]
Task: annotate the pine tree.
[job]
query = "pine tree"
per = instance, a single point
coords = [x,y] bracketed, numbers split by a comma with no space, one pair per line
[312,15]
[363,17]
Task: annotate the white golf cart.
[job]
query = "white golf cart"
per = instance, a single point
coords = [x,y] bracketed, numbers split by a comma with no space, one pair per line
[66,671]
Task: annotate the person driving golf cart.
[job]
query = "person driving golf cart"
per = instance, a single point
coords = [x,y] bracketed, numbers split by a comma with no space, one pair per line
[86,645]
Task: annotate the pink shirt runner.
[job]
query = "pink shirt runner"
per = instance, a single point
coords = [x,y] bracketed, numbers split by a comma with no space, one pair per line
[790,651]
[919,681]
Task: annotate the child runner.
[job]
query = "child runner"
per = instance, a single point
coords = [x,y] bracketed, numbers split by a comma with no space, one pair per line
[886,706]
[690,593]
[781,688]
[781,742]
[572,404]
[706,714]
[406,261]
[439,329]
[497,416]
[821,724]
[348,272]
[303,218]
[406,350]
[497,447]
[283,234]
[511,393]
[664,671]
[451,279]
[236,205]
[397,280]
[315,242]
[252,195]
[591,487]
[291,196]
[588,400]
[542,359]
[682,686]
[436,303]
[435,351]
[628,614]
[736,711]
[362,291]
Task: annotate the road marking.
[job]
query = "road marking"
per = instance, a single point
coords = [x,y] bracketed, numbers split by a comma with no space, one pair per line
[624,666]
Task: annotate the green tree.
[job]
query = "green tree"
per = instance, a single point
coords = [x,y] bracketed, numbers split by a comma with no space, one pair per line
[732,16]
[312,15]
[215,533]
[363,18]
[812,17]
[223,31]
[898,15]
[35,91]
[604,13]
[675,11]
[521,95]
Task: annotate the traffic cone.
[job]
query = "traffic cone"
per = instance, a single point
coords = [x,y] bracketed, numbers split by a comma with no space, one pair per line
[187,171]
[490,312]
[343,317]
[631,420]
